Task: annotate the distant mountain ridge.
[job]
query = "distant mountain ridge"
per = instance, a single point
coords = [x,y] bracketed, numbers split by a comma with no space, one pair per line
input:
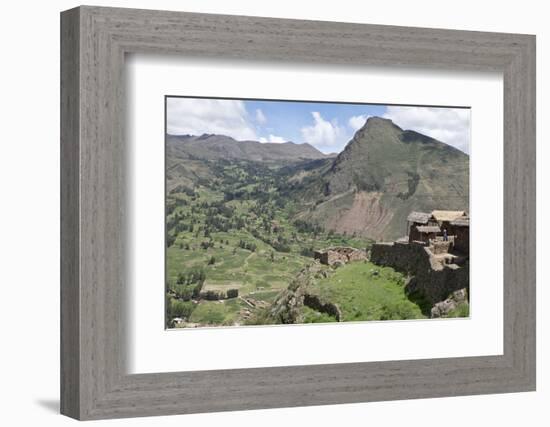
[213,147]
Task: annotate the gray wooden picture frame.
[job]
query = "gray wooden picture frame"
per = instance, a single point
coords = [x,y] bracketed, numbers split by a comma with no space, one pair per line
[94,41]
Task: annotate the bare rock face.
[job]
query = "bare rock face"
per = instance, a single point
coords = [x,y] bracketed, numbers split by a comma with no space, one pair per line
[443,308]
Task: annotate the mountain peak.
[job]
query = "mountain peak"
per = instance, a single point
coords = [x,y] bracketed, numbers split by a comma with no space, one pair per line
[375,130]
[385,172]
[382,150]
[376,121]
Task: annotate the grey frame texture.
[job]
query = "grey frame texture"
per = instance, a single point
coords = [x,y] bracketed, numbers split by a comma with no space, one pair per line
[94,41]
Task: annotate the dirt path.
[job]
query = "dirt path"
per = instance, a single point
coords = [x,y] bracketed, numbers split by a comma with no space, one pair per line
[248,258]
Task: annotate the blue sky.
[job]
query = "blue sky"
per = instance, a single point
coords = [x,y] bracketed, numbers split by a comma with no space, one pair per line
[326,126]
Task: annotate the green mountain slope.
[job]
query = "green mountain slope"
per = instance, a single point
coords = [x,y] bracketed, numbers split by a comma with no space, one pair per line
[192,160]
[382,175]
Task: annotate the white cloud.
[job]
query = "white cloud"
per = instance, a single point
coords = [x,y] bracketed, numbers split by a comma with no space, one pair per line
[324,135]
[357,122]
[273,138]
[448,125]
[260,117]
[197,116]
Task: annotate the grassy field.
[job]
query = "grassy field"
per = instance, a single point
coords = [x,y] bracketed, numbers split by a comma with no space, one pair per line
[314,316]
[217,313]
[365,291]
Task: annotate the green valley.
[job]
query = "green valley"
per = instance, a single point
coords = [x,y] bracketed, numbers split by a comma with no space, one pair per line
[236,235]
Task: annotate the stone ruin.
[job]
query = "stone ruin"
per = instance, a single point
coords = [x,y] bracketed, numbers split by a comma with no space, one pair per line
[438,247]
[433,275]
[340,255]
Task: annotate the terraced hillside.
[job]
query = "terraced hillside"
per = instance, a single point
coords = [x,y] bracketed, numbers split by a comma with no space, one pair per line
[234,231]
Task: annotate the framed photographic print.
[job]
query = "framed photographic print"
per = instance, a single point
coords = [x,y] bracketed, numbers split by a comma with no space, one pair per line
[280,213]
[263,231]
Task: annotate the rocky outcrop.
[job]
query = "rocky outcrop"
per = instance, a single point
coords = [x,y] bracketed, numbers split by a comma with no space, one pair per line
[286,309]
[340,255]
[443,308]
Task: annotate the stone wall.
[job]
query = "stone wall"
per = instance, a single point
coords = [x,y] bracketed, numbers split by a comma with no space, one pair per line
[429,277]
[462,242]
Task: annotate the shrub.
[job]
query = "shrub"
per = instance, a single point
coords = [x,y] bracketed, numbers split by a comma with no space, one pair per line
[181,309]
[307,252]
[212,296]
[281,247]
[232,293]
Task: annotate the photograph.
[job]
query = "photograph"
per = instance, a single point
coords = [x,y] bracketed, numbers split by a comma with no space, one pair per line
[295,212]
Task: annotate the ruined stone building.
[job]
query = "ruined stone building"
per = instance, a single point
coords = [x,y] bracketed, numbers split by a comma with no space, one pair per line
[460,228]
[339,255]
[421,227]
[438,267]
[428,228]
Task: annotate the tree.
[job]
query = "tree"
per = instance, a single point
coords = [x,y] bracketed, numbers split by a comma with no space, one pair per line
[212,260]
[212,295]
